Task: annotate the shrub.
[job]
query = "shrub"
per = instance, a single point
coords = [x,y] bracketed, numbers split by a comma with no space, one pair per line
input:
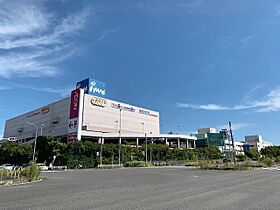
[31,173]
[137,164]
[277,160]
[241,157]
[266,161]
[253,154]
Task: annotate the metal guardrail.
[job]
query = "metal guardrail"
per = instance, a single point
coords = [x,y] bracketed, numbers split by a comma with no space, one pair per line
[110,166]
[58,168]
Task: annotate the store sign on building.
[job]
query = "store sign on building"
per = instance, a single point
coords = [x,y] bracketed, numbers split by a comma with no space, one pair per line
[45,110]
[92,87]
[74,104]
[72,136]
[74,119]
[146,112]
[122,107]
[73,125]
[34,113]
[95,101]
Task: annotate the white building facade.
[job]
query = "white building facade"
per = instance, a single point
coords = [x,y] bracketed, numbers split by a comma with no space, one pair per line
[95,115]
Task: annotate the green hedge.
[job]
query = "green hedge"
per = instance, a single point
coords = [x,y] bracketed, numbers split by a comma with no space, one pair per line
[86,153]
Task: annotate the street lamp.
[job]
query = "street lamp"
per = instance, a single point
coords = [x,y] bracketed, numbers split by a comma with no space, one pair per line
[146,152]
[101,151]
[41,128]
[36,135]
[178,129]
[120,138]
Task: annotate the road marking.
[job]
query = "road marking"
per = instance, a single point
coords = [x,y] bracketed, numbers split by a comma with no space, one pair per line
[272,169]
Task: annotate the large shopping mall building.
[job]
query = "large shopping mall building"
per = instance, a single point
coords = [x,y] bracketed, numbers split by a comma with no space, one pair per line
[88,115]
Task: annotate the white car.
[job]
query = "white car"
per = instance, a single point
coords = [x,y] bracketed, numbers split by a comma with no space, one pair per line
[7,167]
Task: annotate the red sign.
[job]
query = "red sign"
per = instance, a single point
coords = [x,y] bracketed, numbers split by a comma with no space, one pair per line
[72,136]
[74,105]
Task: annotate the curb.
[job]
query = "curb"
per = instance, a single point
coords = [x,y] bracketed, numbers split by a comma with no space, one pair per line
[22,183]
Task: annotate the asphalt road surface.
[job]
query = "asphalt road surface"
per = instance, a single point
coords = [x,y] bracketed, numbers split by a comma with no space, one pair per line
[147,188]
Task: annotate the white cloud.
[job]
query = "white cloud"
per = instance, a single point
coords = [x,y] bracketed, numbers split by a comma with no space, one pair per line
[234,126]
[192,5]
[106,33]
[2,87]
[277,10]
[159,7]
[61,91]
[270,103]
[21,18]
[32,41]
[214,107]
[235,40]
[244,41]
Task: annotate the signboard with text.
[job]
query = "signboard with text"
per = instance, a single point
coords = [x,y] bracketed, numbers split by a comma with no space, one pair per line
[74,123]
[92,87]
[74,103]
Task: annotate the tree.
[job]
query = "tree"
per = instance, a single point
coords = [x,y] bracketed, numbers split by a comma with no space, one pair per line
[271,152]
[253,154]
[15,153]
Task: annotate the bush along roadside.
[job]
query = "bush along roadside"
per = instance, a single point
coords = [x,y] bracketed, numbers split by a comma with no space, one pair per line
[214,165]
[87,154]
[28,174]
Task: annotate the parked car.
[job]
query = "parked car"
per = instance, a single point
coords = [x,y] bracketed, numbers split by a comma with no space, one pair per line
[24,165]
[7,167]
[42,166]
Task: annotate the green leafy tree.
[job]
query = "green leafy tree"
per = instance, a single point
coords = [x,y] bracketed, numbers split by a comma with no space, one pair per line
[15,153]
[253,154]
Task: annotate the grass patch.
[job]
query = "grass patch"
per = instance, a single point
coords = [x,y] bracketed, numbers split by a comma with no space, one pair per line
[212,165]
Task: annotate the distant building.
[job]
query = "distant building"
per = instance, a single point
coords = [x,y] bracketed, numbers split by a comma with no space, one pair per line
[257,142]
[251,141]
[206,130]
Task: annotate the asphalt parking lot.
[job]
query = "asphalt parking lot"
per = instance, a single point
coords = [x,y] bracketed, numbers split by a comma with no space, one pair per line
[147,188]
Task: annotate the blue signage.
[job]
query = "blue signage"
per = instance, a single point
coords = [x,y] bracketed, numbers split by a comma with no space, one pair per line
[246,147]
[93,87]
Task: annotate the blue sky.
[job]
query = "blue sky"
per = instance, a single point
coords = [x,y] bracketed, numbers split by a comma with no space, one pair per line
[199,63]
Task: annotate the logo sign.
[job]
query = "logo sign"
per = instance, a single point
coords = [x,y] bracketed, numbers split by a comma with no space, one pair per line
[74,104]
[126,108]
[141,111]
[95,101]
[84,84]
[45,110]
[32,114]
[93,87]
[146,112]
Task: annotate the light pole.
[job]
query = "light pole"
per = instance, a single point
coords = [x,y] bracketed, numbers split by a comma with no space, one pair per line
[146,148]
[41,127]
[36,135]
[178,129]
[117,126]
[101,150]
[120,138]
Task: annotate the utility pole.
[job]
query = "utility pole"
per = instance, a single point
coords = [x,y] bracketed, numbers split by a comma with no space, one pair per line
[232,140]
